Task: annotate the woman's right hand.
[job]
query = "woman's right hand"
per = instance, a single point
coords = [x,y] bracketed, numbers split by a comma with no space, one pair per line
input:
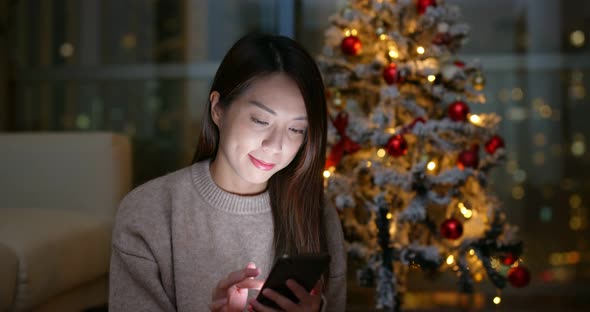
[231,293]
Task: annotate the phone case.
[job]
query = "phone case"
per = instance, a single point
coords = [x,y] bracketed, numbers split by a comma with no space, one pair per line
[305,269]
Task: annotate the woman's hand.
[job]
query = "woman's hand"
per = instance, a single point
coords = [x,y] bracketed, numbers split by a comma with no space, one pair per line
[308,301]
[231,292]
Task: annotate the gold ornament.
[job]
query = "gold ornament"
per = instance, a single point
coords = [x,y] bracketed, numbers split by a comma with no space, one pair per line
[336,100]
[479,81]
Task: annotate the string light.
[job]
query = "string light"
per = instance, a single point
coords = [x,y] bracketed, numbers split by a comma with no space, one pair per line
[577,38]
[472,252]
[420,50]
[66,49]
[393,53]
[478,277]
[431,166]
[382,37]
[466,212]
[347,32]
[353,32]
[497,300]
[431,78]
[327,174]
[475,119]
[390,130]
[389,216]
[381,152]
[450,259]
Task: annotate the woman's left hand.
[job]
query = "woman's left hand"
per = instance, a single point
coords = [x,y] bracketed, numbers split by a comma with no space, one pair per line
[308,301]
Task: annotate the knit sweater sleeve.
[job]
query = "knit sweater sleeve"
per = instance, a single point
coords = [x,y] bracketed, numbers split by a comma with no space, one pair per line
[335,296]
[135,282]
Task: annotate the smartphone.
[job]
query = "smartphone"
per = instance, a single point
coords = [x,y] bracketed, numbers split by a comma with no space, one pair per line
[305,269]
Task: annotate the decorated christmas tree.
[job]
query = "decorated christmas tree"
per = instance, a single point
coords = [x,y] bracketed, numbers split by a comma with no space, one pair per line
[408,163]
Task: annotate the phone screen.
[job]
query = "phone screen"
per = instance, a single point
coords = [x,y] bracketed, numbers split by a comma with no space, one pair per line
[305,269]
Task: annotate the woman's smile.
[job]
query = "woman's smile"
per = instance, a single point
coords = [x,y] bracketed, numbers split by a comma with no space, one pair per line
[261,164]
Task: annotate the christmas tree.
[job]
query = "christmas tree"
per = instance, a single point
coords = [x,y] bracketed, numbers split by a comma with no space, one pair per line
[408,163]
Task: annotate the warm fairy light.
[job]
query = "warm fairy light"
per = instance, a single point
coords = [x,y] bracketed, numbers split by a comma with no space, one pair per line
[576,223]
[472,252]
[382,36]
[381,152]
[497,300]
[517,192]
[577,38]
[431,165]
[466,212]
[353,32]
[450,259]
[327,174]
[420,50]
[431,78]
[389,216]
[66,49]
[347,32]
[393,53]
[575,201]
[517,94]
[369,164]
[578,147]
[390,130]
[478,277]
[475,119]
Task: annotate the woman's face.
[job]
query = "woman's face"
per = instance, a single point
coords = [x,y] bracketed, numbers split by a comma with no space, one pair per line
[259,134]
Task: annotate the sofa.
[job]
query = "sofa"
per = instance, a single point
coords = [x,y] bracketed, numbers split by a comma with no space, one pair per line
[58,196]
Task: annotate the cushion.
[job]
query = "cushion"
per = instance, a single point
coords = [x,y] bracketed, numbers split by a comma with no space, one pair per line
[82,171]
[8,268]
[56,250]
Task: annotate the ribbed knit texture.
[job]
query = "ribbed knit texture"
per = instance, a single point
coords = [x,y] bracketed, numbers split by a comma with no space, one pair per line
[220,199]
[177,236]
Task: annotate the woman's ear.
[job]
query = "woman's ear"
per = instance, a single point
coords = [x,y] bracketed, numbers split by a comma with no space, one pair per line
[216,109]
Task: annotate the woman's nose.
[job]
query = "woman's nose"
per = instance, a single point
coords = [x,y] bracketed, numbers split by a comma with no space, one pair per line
[273,142]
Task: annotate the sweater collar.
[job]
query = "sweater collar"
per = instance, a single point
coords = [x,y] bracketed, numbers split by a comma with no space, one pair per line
[222,200]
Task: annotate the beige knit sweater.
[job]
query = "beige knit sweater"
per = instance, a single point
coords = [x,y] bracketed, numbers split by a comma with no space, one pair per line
[176,236]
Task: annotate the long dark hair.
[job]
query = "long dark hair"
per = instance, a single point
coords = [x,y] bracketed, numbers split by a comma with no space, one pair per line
[296,192]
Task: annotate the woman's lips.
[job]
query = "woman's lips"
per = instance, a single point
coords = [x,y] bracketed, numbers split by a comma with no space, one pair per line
[261,164]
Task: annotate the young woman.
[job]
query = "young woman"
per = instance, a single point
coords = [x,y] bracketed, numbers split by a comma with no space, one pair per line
[205,237]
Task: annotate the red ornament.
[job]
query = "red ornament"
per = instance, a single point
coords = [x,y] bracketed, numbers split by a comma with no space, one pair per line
[390,74]
[459,64]
[458,111]
[451,228]
[351,45]
[468,158]
[441,39]
[422,5]
[345,145]
[493,144]
[508,259]
[397,146]
[519,276]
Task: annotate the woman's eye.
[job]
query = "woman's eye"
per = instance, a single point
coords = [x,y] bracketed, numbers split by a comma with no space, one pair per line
[298,131]
[258,121]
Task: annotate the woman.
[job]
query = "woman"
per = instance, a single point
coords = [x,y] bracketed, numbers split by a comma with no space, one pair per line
[205,237]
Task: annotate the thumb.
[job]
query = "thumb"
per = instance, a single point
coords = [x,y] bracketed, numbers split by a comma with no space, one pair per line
[251,265]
